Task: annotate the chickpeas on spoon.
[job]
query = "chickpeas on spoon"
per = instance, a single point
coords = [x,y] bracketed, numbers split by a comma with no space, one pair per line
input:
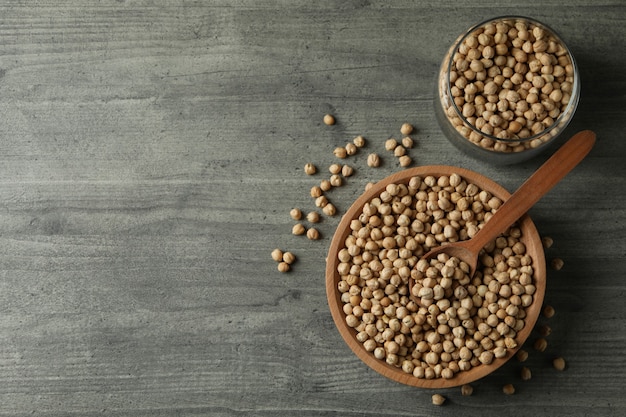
[535,187]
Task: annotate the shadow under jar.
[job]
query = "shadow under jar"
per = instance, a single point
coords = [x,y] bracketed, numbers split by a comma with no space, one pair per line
[507,87]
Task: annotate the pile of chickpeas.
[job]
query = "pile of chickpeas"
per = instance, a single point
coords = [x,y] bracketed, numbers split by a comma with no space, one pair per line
[448,322]
[507,81]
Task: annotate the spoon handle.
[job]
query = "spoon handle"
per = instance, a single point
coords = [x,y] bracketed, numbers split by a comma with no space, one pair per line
[536,186]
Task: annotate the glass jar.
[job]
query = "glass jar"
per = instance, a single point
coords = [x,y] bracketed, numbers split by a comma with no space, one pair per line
[506,88]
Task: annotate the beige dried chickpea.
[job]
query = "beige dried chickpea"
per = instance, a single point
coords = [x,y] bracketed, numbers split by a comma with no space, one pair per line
[467,390]
[390,144]
[313,217]
[329,119]
[373,160]
[406,129]
[547,242]
[310,169]
[557,264]
[284,267]
[329,209]
[340,152]
[438,399]
[548,311]
[289,257]
[405,161]
[359,141]
[277,255]
[316,191]
[336,180]
[508,389]
[540,344]
[313,234]
[559,364]
[325,185]
[334,168]
[347,171]
[298,229]
[295,213]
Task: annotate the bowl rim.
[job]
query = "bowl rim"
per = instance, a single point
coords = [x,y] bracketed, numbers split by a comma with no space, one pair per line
[530,237]
[561,122]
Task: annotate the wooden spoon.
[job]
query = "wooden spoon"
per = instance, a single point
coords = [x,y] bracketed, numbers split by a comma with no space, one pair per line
[535,187]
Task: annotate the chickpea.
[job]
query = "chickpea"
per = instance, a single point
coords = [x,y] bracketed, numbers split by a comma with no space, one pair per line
[310,169]
[298,229]
[438,399]
[406,129]
[277,255]
[508,389]
[558,364]
[373,160]
[329,119]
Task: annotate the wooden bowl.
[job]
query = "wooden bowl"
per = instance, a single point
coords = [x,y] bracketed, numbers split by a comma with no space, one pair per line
[530,238]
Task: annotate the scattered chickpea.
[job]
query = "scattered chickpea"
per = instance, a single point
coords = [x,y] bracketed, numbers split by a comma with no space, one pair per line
[329,119]
[283,267]
[558,364]
[347,171]
[313,217]
[438,399]
[405,161]
[325,185]
[329,209]
[298,229]
[407,142]
[277,255]
[289,258]
[310,169]
[545,330]
[522,355]
[295,213]
[547,242]
[508,389]
[467,390]
[399,151]
[316,191]
[369,185]
[321,201]
[351,148]
[540,344]
[335,180]
[359,141]
[334,168]
[406,129]
[340,152]
[525,373]
[313,234]
[548,311]
[373,160]
[557,264]
[390,144]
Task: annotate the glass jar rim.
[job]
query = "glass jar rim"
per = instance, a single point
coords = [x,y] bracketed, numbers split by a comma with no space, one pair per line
[571,105]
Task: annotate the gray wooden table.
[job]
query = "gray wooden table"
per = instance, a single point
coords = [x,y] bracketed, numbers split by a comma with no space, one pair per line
[151,152]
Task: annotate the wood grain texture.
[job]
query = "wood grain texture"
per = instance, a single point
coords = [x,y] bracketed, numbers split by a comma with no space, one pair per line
[150,152]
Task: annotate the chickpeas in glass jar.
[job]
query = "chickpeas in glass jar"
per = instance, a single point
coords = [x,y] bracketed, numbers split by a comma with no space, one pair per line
[506,89]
